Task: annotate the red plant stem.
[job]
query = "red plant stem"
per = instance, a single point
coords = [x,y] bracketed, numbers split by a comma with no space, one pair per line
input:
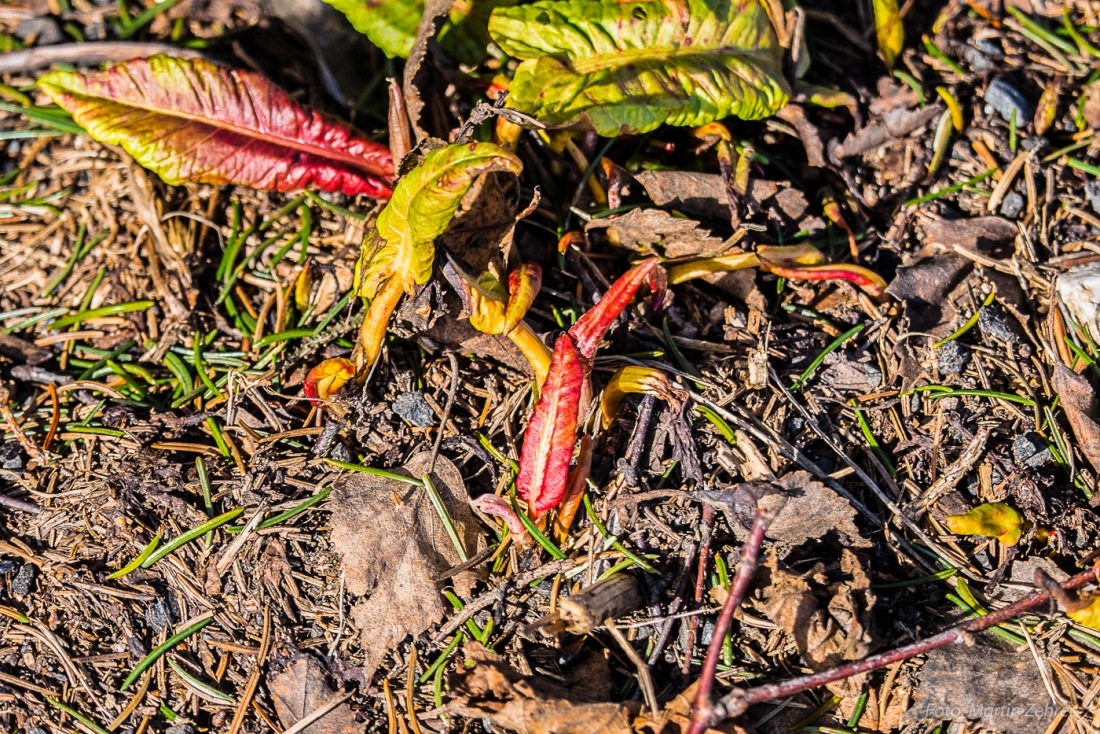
[737,702]
[700,586]
[746,566]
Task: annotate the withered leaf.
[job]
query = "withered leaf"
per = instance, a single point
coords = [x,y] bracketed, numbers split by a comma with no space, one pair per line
[1082,409]
[299,689]
[491,689]
[829,619]
[643,230]
[394,547]
[704,195]
[806,509]
[1002,691]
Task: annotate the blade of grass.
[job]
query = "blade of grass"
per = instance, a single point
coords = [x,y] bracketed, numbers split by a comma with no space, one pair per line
[141,558]
[833,346]
[376,472]
[163,648]
[190,535]
[98,313]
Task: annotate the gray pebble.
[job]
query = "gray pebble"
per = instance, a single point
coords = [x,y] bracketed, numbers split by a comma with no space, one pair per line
[1012,205]
[23,582]
[1031,450]
[953,358]
[157,616]
[181,729]
[1092,191]
[1002,97]
[994,325]
[1035,144]
[42,31]
[415,409]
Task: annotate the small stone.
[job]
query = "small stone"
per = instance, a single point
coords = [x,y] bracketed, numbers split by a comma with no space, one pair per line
[157,616]
[994,325]
[1012,205]
[23,581]
[7,566]
[953,358]
[415,409]
[1005,99]
[181,729]
[1031,450]
[41,31]
[1092,191]
[1035,144]
[11,457]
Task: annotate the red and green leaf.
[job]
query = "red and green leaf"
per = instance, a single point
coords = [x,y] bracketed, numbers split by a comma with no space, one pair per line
[326,378]
[189,120]
[523,285]
[551,432]
[868,280]
[593,325]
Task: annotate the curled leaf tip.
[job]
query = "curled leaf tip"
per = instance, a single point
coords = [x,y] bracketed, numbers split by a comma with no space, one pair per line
[593,325]
[326,378]
[496,506]
[523,285]
[866,279]
[632,380]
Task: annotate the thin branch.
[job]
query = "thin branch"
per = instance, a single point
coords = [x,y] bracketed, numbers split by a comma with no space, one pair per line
[89,54]
[746,567]
[737,702]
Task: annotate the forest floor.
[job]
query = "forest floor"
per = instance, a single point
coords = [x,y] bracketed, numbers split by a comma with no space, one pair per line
[154,340]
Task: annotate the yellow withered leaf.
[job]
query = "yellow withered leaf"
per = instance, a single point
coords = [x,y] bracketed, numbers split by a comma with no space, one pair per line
[991,520]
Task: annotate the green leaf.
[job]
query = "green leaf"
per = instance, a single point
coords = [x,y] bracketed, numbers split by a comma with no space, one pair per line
[389,24]
[991,520]
[630,67]
[194,121]
[889,30]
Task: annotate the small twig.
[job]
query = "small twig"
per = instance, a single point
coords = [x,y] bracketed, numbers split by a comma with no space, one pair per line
[645,680]
[446,411]
[254,677]
[737,702]
[89,53]
[746,567]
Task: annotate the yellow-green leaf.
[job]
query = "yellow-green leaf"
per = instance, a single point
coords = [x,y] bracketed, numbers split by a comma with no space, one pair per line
[389,24]
[422,206]
[630,67]
[889,30]
[991,520]
[398,254]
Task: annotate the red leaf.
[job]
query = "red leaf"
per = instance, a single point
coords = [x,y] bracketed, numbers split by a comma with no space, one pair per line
[552,430]
[194,121]
[590,328]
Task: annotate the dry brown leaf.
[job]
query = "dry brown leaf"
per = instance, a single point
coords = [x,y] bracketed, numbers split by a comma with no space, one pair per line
[301,688]
[806,510]
[1082,409]
[704,195]
[829,619]
[643,230]
[675,717]
[1002,691]
[394,547]
[491,689]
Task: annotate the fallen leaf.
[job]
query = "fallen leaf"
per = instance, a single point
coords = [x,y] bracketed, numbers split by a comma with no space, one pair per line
[1000,691]
[829,619]
[299,689]
[645,230]
[641,64]
[490,689]
[1082,409]
[704,195]
[675,718]
[195,121]
[990,520]
[1088,614]
[805,510]
[394,547]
